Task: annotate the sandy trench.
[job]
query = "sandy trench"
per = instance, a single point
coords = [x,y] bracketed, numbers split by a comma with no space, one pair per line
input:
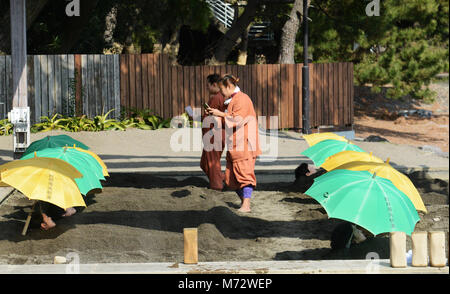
[139,218]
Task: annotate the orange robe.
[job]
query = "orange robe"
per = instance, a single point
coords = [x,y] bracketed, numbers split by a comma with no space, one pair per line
[210,160]
[242,139]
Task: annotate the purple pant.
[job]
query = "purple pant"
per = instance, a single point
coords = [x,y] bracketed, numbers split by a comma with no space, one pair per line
[245,192]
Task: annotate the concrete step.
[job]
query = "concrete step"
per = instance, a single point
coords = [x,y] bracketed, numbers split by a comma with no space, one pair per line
[233,267]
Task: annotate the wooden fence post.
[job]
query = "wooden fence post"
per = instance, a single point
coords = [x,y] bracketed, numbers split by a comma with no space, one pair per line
[190,245]
[398,249]
[419,249]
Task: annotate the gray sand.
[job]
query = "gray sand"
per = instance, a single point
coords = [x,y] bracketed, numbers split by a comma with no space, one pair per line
[141,219]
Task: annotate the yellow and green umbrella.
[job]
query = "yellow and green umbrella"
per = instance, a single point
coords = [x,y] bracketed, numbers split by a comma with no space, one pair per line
[99,160]
[313,139]
[344,157]
[385,170]
[89,167]
[322,150]
[52,142]
[47,179]
[364,199]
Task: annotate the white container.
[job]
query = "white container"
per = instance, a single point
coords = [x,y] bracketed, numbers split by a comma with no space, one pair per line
[59,260]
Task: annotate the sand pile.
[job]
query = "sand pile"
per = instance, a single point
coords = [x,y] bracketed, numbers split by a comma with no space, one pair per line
[141,219]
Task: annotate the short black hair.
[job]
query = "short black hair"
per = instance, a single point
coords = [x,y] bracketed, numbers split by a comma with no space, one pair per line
[301,170]
[213,78]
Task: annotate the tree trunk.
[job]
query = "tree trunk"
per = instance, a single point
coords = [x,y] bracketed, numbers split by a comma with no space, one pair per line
[289,32]
[172,47]
[242,58]
[110,26]
[230,39]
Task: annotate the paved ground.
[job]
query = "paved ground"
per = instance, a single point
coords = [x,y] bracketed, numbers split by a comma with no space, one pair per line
[151,151]
[156,152]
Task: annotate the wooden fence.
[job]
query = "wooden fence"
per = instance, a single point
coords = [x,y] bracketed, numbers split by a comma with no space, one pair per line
[65,84]
[149,81]
[95,84]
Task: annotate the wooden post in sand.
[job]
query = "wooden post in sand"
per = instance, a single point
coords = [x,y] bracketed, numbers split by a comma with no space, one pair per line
[190,245]
[419,249]
[437,248]
[398,249]
[27,222]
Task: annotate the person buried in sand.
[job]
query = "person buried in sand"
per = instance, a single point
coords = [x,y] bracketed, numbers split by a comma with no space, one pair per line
[241,132]
[213,131]
[305,175]
[49,210]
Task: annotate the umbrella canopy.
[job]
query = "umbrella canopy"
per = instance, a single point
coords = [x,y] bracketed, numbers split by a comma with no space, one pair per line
[365,199]
[99,160]
[90,169]
[322,150]
[47,179]
[313,139]
[52,142]
[344,157]
[385,170]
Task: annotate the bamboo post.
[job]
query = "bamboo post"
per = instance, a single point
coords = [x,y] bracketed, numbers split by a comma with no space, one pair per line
[398,249]
[419,249]
[190,245]
[27,222]
[437,248]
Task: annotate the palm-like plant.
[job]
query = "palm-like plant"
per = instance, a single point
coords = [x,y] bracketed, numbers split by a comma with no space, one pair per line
[57,122]
[86,124]
[102,123]
[6,127]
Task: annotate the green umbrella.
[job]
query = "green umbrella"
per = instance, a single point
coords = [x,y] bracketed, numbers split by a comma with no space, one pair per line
[362,198]
[86,164]
[52,142]
[319,152]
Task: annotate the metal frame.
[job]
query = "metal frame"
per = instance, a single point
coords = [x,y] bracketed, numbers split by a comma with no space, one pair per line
[224,12]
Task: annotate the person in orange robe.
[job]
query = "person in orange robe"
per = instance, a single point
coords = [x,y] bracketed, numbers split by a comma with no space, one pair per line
[241,128]
[213,131]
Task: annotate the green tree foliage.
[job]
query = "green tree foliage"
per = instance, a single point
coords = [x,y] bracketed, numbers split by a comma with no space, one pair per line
[405,47]
[144,23]
[141,23]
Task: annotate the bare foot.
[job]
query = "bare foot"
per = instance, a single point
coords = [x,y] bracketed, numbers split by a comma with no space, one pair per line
[70,211]
[245,207]
[48,223]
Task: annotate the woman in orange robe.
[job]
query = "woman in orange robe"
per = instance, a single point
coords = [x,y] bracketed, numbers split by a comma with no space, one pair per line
[214,141]
[241,132]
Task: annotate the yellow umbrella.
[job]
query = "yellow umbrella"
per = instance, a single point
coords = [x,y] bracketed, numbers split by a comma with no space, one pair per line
[100,161]
[313,139]
[347,156]
[47,179]
[385,170]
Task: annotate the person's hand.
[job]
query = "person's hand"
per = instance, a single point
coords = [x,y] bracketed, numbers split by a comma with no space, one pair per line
[215,112]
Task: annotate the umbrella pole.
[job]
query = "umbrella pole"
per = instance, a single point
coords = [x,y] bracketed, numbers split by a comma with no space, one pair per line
[27,222]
